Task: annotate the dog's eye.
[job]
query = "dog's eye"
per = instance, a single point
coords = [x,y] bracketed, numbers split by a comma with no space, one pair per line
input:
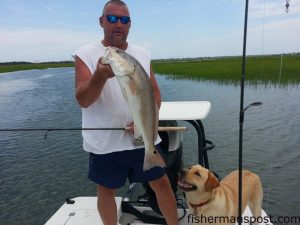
[198,174]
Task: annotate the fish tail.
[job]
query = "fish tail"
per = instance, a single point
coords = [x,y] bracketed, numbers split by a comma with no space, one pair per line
[153,159]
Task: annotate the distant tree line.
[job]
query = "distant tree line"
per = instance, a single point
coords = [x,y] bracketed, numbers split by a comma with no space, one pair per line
[221,57]
[156,60]
[28,63]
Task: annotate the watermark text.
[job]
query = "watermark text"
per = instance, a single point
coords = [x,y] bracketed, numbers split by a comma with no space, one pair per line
[245,219]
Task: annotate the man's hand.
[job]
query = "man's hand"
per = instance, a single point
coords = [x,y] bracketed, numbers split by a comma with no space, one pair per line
[88,86]
[104,69]
[131,126]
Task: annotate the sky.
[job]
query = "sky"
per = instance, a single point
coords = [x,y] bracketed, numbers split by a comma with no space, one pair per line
[51,30]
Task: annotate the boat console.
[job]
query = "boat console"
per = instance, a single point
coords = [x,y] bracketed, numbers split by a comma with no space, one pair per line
[192,112]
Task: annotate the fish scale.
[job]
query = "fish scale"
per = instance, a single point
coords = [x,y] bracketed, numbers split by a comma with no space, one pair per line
[138,92]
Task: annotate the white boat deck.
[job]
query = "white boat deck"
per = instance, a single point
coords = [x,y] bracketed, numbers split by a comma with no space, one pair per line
[84,212]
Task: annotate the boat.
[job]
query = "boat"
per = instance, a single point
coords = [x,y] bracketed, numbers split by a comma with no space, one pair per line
[144,210]
[138,206]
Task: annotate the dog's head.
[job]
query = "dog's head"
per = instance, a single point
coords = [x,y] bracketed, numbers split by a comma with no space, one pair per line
[197,178]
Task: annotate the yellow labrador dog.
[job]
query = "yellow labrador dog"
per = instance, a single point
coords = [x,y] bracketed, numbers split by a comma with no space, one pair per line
[214,202]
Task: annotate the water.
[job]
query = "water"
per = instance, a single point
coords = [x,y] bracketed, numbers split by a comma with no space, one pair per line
[37,174]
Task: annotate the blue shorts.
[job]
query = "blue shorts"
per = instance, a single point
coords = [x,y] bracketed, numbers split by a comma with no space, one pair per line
[112,170]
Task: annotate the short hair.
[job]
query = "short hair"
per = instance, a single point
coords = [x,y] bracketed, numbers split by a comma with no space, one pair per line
[116,2]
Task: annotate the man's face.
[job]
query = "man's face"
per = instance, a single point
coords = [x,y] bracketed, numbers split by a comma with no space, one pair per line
[115,34]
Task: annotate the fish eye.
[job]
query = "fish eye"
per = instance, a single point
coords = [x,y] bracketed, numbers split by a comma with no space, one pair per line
[119,51]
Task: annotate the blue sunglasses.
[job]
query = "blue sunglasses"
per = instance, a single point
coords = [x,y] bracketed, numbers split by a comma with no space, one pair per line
[114,19]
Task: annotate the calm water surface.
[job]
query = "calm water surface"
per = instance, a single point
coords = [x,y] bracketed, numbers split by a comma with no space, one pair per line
[37,174]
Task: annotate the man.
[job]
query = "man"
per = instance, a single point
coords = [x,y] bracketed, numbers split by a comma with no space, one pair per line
[113,154]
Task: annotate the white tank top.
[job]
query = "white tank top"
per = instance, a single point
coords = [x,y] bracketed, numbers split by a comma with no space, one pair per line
[110,109]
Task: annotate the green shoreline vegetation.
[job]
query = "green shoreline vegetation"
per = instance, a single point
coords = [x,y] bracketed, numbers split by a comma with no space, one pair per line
[259,69]
[18,66]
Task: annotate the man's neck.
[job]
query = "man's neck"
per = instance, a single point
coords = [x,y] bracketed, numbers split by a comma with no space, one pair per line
[122,46]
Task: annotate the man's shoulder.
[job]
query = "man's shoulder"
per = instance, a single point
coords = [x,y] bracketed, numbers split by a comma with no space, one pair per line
[90,46]
[92,50]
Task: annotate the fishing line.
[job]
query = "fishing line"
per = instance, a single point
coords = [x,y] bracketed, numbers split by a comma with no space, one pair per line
[261,80]
[47,130]
[282,47]
[277,113]
[263,43]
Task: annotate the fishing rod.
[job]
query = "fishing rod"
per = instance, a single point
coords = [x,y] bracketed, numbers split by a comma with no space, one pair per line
[47,130]
[242,110]
[241,118]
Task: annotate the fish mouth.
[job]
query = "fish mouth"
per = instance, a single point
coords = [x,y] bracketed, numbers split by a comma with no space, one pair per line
[185,186]
[107,55]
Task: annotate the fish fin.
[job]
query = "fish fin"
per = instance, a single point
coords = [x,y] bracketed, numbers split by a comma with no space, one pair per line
[152,160]
[124,94]
[137,133]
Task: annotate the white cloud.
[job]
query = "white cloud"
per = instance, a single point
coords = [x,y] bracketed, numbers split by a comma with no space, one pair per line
[279,37]
[85,14]
[32,44]
[48,8]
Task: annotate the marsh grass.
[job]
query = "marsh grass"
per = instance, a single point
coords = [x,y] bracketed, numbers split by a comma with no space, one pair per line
[259,69]
[228,70]
[17,66]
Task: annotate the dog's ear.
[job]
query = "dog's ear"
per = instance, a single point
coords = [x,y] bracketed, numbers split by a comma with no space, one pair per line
[211,182]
